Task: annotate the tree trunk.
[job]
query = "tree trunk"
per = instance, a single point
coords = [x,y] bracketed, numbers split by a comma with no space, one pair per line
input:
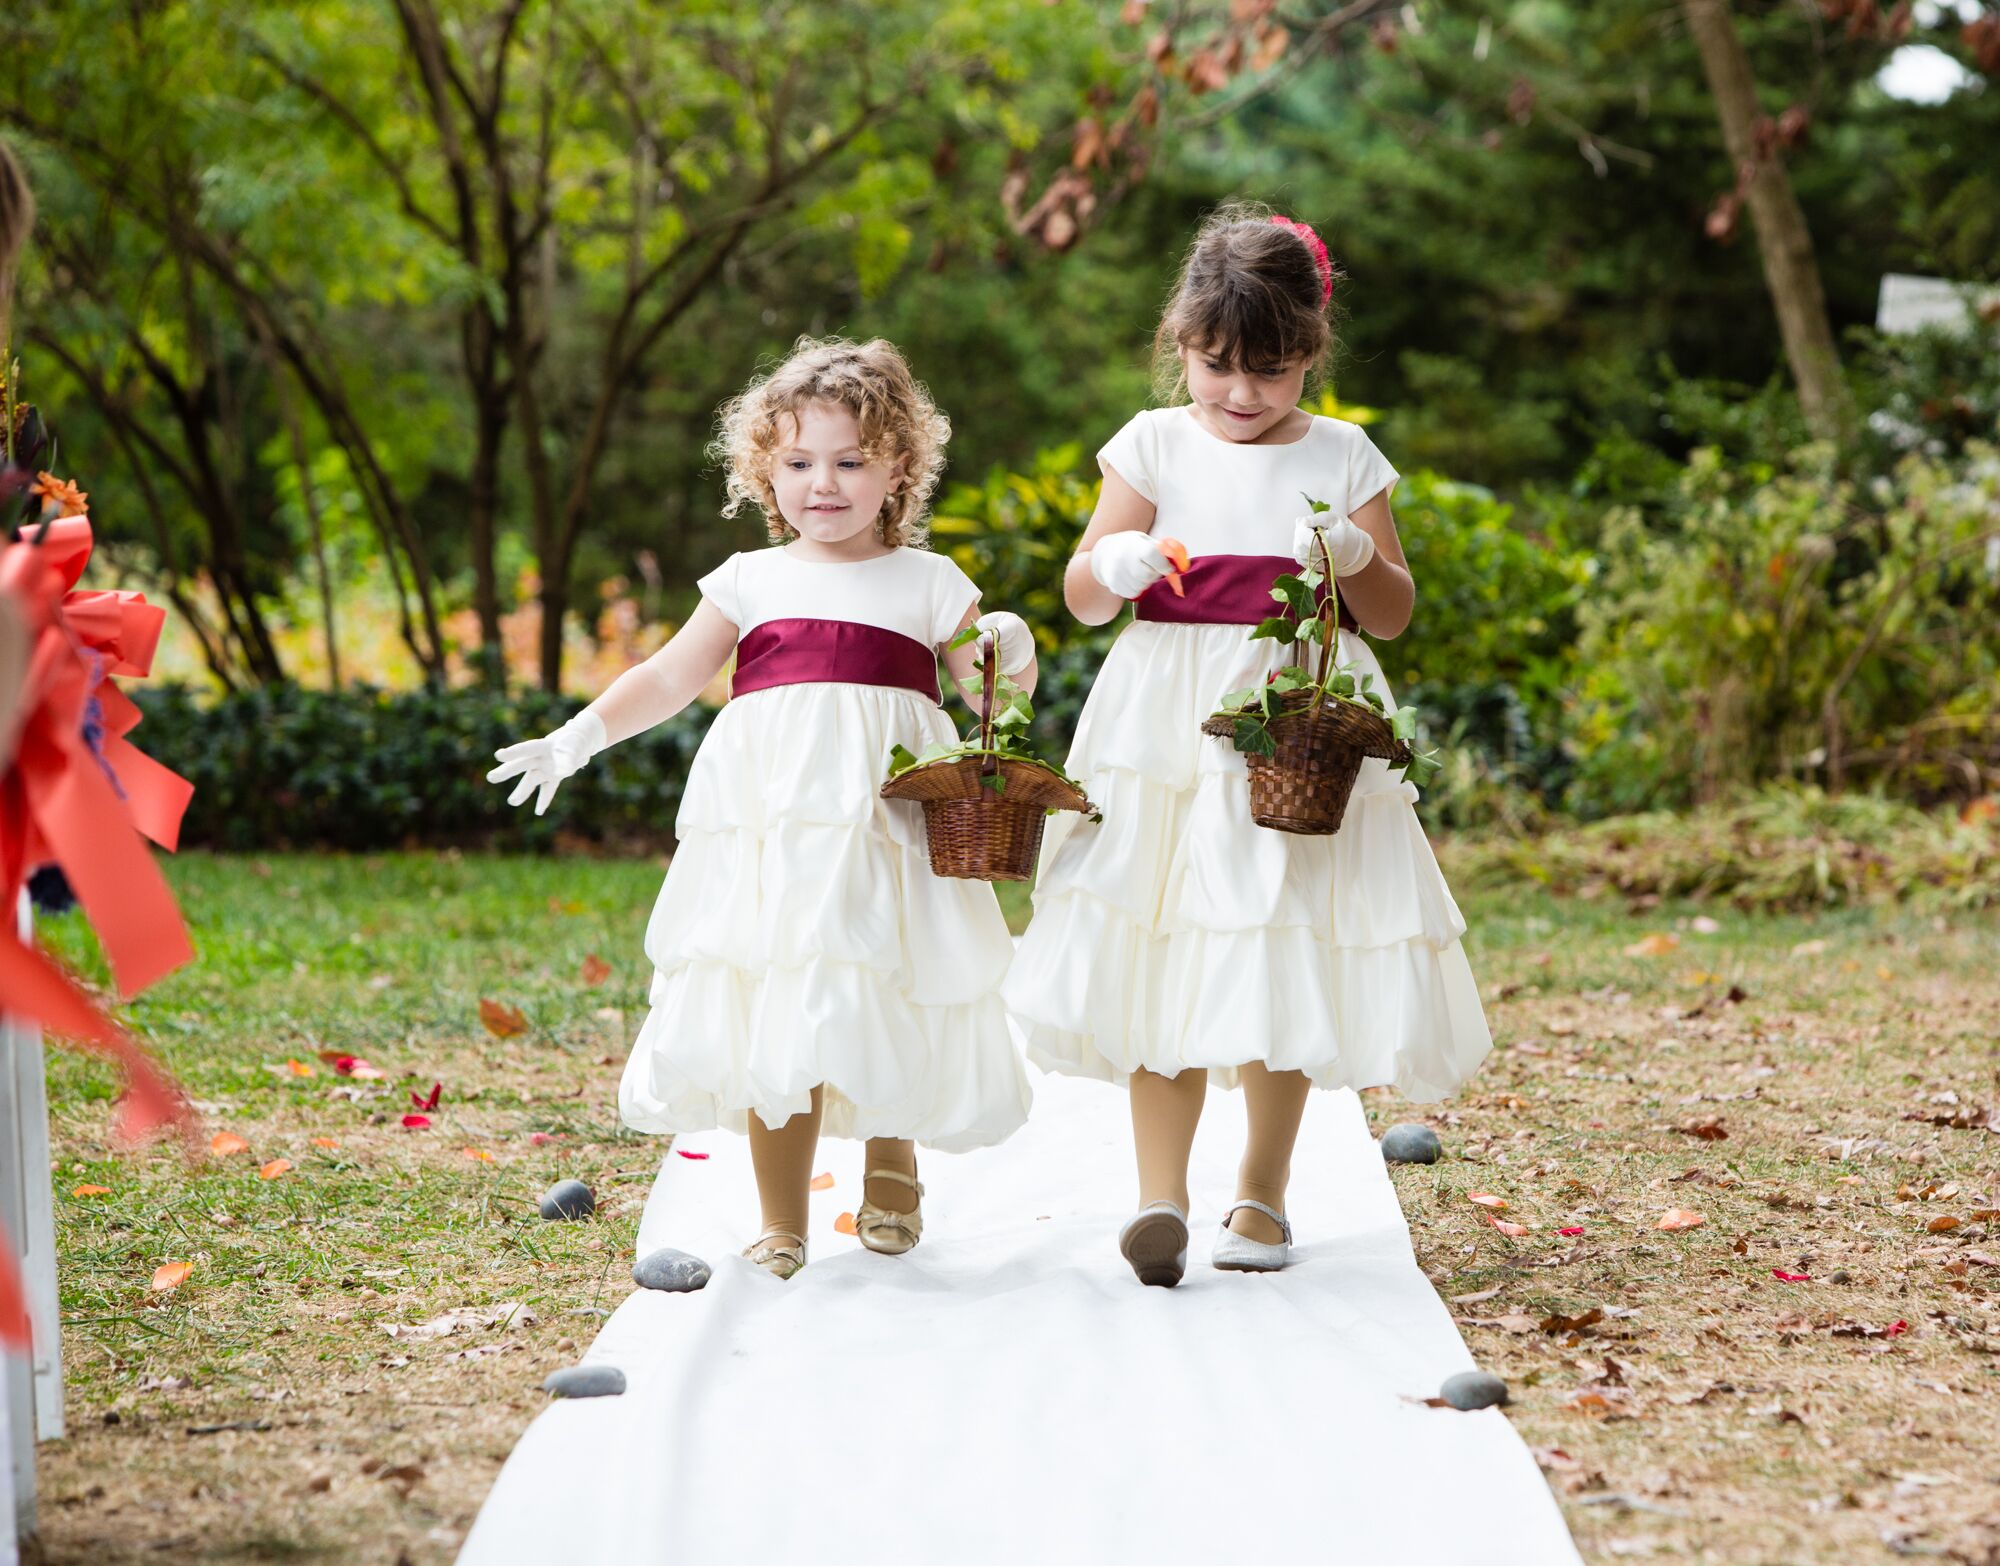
[1784,243]
[309,497]
[489,427]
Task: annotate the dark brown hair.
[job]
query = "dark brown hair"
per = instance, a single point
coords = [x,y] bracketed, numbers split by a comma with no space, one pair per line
[1250,292]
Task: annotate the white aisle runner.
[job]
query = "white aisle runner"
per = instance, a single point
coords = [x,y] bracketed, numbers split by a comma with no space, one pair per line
[1008,1392]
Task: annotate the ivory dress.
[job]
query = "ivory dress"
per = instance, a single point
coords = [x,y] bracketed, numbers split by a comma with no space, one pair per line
[800,937]
[1175,932]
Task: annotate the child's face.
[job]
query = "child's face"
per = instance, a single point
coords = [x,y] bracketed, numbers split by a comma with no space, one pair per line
[1241,402]
[826,489]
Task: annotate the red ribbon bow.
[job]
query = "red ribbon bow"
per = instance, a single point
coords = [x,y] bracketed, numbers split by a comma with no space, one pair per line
[79,793]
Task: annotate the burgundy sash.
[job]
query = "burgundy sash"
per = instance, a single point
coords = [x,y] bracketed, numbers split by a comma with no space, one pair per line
[805,652]
[1224,590]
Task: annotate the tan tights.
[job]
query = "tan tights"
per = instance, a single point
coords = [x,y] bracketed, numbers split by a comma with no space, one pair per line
[783,1160]
[1165,1112]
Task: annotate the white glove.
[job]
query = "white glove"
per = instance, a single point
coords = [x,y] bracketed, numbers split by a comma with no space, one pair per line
[1011,638]
[1349,547]
[543,763]
[1128,562]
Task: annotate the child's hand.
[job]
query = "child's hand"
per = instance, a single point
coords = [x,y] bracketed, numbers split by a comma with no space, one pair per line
[1012,639]
[1128,562]
[542,764]
[1350,548]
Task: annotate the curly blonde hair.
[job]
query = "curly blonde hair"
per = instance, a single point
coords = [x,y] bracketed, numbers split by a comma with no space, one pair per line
[898,420]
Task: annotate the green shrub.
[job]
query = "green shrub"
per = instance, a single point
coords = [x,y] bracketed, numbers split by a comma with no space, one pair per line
[1490,649]
[1794,625]
[284,767]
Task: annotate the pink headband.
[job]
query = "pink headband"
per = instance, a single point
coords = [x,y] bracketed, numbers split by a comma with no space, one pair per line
[1318,248]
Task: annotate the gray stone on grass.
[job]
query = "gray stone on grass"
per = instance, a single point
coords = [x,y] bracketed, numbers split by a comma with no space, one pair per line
[1411,1143]
[1471,1389]
[586,1381]
[568,1199]
[670,1271]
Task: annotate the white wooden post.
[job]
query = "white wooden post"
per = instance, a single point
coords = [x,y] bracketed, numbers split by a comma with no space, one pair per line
[38,1239]
[32,1404]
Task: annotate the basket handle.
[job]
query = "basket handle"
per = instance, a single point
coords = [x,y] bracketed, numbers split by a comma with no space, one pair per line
[989,763]
[1329,621]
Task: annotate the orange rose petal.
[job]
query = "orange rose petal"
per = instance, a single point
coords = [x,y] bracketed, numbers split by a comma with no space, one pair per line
[1497,1203]
[844,1224]
[1513,1231]
[1675,1218]
[822,1182]
[171,1275]
[479,1153]
[223,1143]
[325,1141]
[298,1068]
[91,1190]
[274,1168]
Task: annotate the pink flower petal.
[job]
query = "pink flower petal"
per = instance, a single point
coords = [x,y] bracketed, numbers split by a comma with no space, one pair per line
[1575,1228]
[1790,1277]
[416,1122]
[685,1154]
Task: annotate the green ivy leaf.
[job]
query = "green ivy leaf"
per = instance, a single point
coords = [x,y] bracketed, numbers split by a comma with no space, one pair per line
[1403,723]
[1253,739]
[900,760]
[1295,593]
[970,634]
[1277,629]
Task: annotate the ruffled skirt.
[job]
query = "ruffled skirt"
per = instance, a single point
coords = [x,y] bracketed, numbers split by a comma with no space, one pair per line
[1176,933]
[801,938]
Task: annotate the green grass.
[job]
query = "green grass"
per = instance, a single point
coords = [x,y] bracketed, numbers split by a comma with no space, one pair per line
[1601,1054]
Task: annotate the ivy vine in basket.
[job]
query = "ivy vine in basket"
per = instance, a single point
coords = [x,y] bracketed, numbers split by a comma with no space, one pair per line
[1013,713]
[1302,623]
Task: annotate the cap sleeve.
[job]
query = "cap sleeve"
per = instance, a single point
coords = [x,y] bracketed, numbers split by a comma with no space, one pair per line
[1368,471]
[952,593]
[719,587]
[1134,455]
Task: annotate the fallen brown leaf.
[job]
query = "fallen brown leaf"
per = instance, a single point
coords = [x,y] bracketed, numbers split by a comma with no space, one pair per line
[503,1022]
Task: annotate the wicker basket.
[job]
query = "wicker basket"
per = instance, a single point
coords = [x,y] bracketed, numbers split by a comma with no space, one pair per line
[978,832]
[1304,787]
[1321,740]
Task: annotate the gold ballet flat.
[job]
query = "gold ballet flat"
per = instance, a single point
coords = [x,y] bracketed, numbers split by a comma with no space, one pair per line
[881,1230]
[780,1261]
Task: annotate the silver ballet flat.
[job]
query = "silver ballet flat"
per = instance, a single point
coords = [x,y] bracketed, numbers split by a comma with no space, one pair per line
[1237,1253]
[1155,1242]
